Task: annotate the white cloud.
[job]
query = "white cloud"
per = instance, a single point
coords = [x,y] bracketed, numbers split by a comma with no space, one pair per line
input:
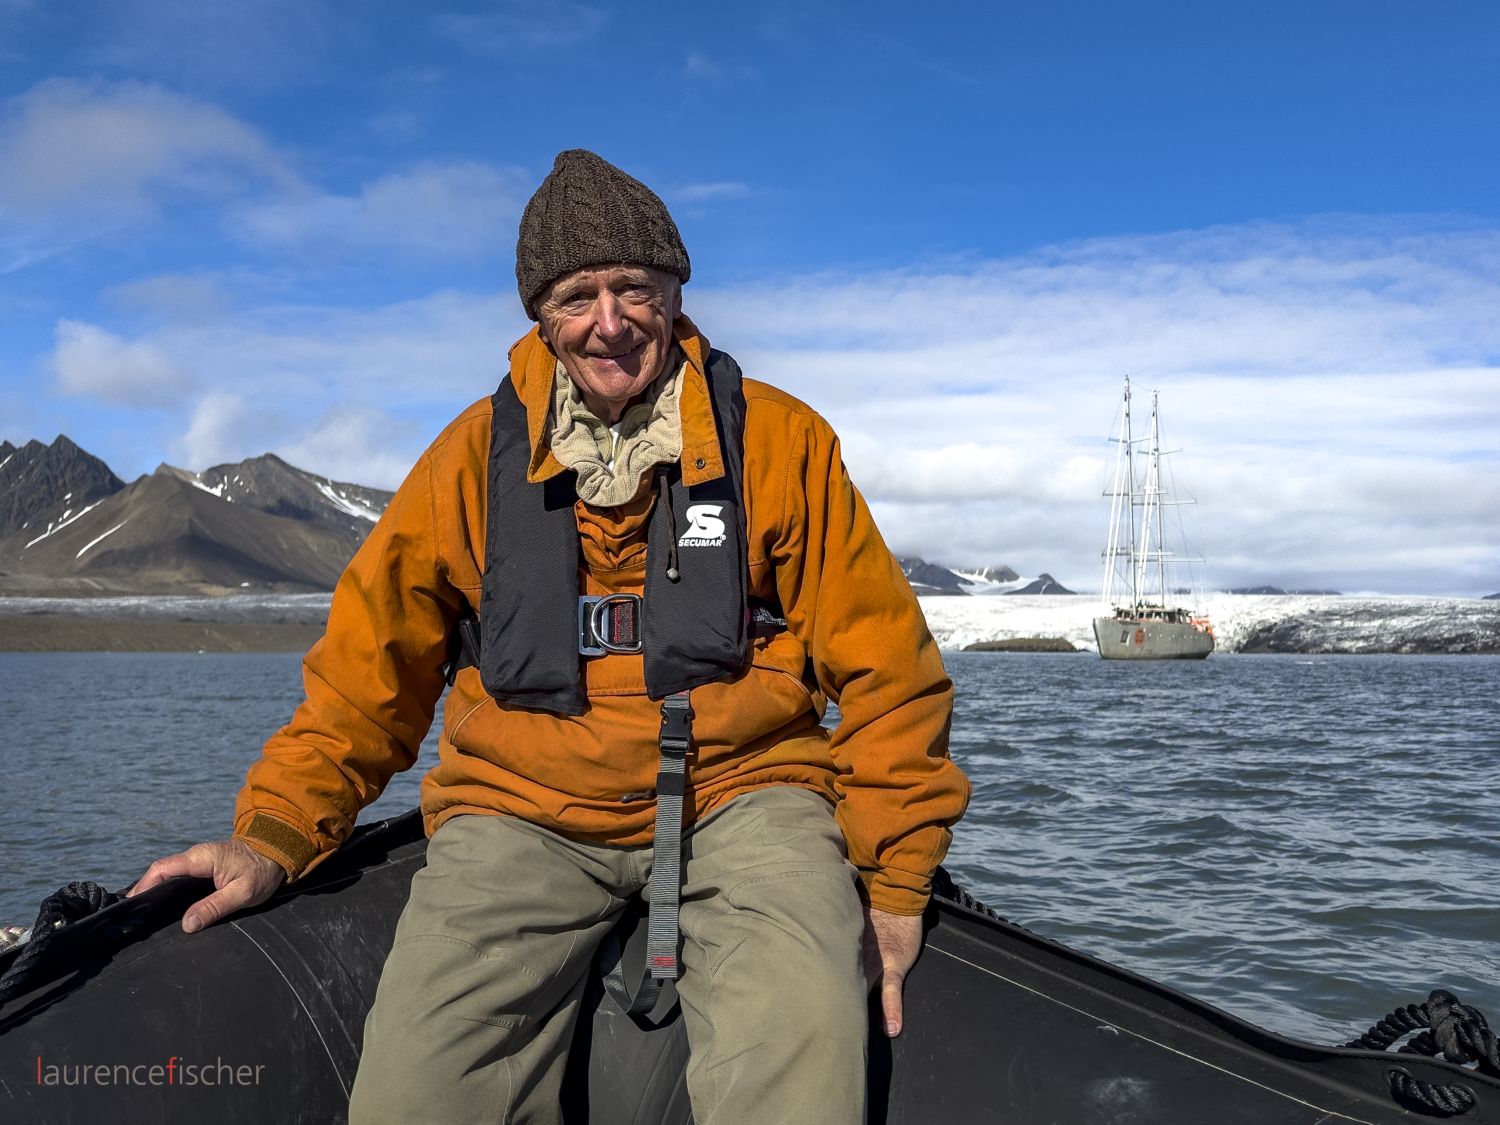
[217,432]
[1336,391]
[175,297]
[358,442]
[26,243]
[508,28]
[1336,394]
[120,149]
[462,210]
[353,394]
[217,42]
[91,362]
[703,67]
[711,191]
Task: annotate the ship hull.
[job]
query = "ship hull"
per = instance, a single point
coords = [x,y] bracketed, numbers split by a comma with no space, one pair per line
[1123,638]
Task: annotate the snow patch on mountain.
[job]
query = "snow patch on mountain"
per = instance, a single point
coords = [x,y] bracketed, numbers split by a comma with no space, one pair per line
[100,539]
[343,503]
[991,580]
[64,522]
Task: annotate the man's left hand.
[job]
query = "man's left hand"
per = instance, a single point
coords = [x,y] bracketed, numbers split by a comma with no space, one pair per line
[892,942]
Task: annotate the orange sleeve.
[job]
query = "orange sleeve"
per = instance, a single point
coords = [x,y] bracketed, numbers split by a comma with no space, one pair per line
[844,595]
[372,684]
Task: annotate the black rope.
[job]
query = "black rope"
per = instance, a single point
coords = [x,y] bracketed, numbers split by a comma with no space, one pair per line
[71,903]
[945,888]
[1444,1026]
[1413,1093]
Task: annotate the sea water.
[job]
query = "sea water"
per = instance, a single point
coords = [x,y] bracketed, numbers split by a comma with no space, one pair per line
[1306,842]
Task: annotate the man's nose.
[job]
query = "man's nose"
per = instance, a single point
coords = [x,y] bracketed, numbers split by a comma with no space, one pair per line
[609,315]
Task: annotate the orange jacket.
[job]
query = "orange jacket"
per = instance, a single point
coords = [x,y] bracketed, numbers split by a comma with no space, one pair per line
[374,680]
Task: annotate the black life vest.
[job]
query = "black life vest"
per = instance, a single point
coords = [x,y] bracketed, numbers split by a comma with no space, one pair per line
[696,629]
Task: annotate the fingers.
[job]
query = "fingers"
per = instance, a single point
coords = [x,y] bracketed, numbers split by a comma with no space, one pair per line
[243,877]
[890,1003]
[220,904]
[887,976]
[169,867]
[892,942]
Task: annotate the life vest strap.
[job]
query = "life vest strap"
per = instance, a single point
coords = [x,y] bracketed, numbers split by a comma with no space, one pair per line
[611,620]
[676,743]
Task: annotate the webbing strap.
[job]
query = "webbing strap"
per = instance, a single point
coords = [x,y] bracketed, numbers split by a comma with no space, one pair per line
[666,858]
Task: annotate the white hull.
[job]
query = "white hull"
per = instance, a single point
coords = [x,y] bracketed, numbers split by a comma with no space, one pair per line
[1124,638]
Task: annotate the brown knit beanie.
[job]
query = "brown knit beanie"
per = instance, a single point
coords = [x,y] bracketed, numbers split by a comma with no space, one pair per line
[589,213]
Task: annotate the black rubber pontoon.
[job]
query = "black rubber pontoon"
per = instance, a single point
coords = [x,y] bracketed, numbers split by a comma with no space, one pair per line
[1001,1025]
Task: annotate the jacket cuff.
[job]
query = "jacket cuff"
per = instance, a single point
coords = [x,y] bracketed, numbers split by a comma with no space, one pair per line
[276,839]
[896,892]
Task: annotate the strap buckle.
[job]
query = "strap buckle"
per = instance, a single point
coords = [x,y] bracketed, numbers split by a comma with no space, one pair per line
[611,623]
[677,716]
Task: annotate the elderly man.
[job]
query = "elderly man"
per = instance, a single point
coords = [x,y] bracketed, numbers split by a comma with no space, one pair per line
[660,572]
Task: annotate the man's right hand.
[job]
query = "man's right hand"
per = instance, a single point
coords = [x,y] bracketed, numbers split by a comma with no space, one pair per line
[243,876]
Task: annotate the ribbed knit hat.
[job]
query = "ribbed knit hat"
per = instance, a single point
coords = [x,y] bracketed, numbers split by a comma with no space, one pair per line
[589,213]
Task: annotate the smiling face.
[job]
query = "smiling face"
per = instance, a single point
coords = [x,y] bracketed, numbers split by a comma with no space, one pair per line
[611,326]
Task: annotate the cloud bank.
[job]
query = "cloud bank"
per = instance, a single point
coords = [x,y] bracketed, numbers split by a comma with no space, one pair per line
[1335,392]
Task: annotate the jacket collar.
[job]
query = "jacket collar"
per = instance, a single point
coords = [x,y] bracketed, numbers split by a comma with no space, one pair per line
[532,365]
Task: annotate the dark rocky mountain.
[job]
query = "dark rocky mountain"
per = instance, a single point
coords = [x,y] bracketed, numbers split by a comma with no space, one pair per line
[260,524]
[930,580]
[1491,597]
[269,484]
[1043,584]
[992,574]
[45,486]
[68,525]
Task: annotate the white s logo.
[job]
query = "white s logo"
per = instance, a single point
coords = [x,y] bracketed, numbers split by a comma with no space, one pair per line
[704,524]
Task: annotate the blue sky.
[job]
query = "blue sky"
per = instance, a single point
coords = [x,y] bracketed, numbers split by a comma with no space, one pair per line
[228,228]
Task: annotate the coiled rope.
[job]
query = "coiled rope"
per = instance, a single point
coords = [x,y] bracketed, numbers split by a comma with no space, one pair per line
[69,904]
[1444,1026]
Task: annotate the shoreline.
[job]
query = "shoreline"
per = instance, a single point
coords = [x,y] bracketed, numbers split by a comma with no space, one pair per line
[55,632]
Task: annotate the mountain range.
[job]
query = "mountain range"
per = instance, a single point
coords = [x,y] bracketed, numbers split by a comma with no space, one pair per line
[69,525]
[931,580]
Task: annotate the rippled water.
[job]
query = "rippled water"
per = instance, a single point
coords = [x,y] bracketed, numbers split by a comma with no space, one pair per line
[1301,841]
[1306,842]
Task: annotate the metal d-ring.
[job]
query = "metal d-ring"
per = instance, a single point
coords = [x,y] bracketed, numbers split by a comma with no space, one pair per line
[594,637]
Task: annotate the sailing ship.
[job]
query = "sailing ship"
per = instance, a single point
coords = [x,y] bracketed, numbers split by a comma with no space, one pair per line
[1142,622]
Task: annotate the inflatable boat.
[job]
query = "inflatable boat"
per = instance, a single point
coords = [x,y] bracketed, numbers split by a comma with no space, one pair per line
[119,1016]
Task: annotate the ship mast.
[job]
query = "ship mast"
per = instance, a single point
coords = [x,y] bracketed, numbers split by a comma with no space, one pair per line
[1152,521]
[1122,493]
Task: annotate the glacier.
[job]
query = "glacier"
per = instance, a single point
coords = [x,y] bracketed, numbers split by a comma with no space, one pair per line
[1242,622]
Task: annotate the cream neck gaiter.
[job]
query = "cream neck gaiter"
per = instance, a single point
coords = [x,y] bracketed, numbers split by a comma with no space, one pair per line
[612,461]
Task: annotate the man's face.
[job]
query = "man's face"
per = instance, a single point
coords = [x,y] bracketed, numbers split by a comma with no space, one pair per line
[611,326]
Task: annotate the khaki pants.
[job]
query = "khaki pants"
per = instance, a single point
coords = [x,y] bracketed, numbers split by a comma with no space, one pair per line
[475,1010]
